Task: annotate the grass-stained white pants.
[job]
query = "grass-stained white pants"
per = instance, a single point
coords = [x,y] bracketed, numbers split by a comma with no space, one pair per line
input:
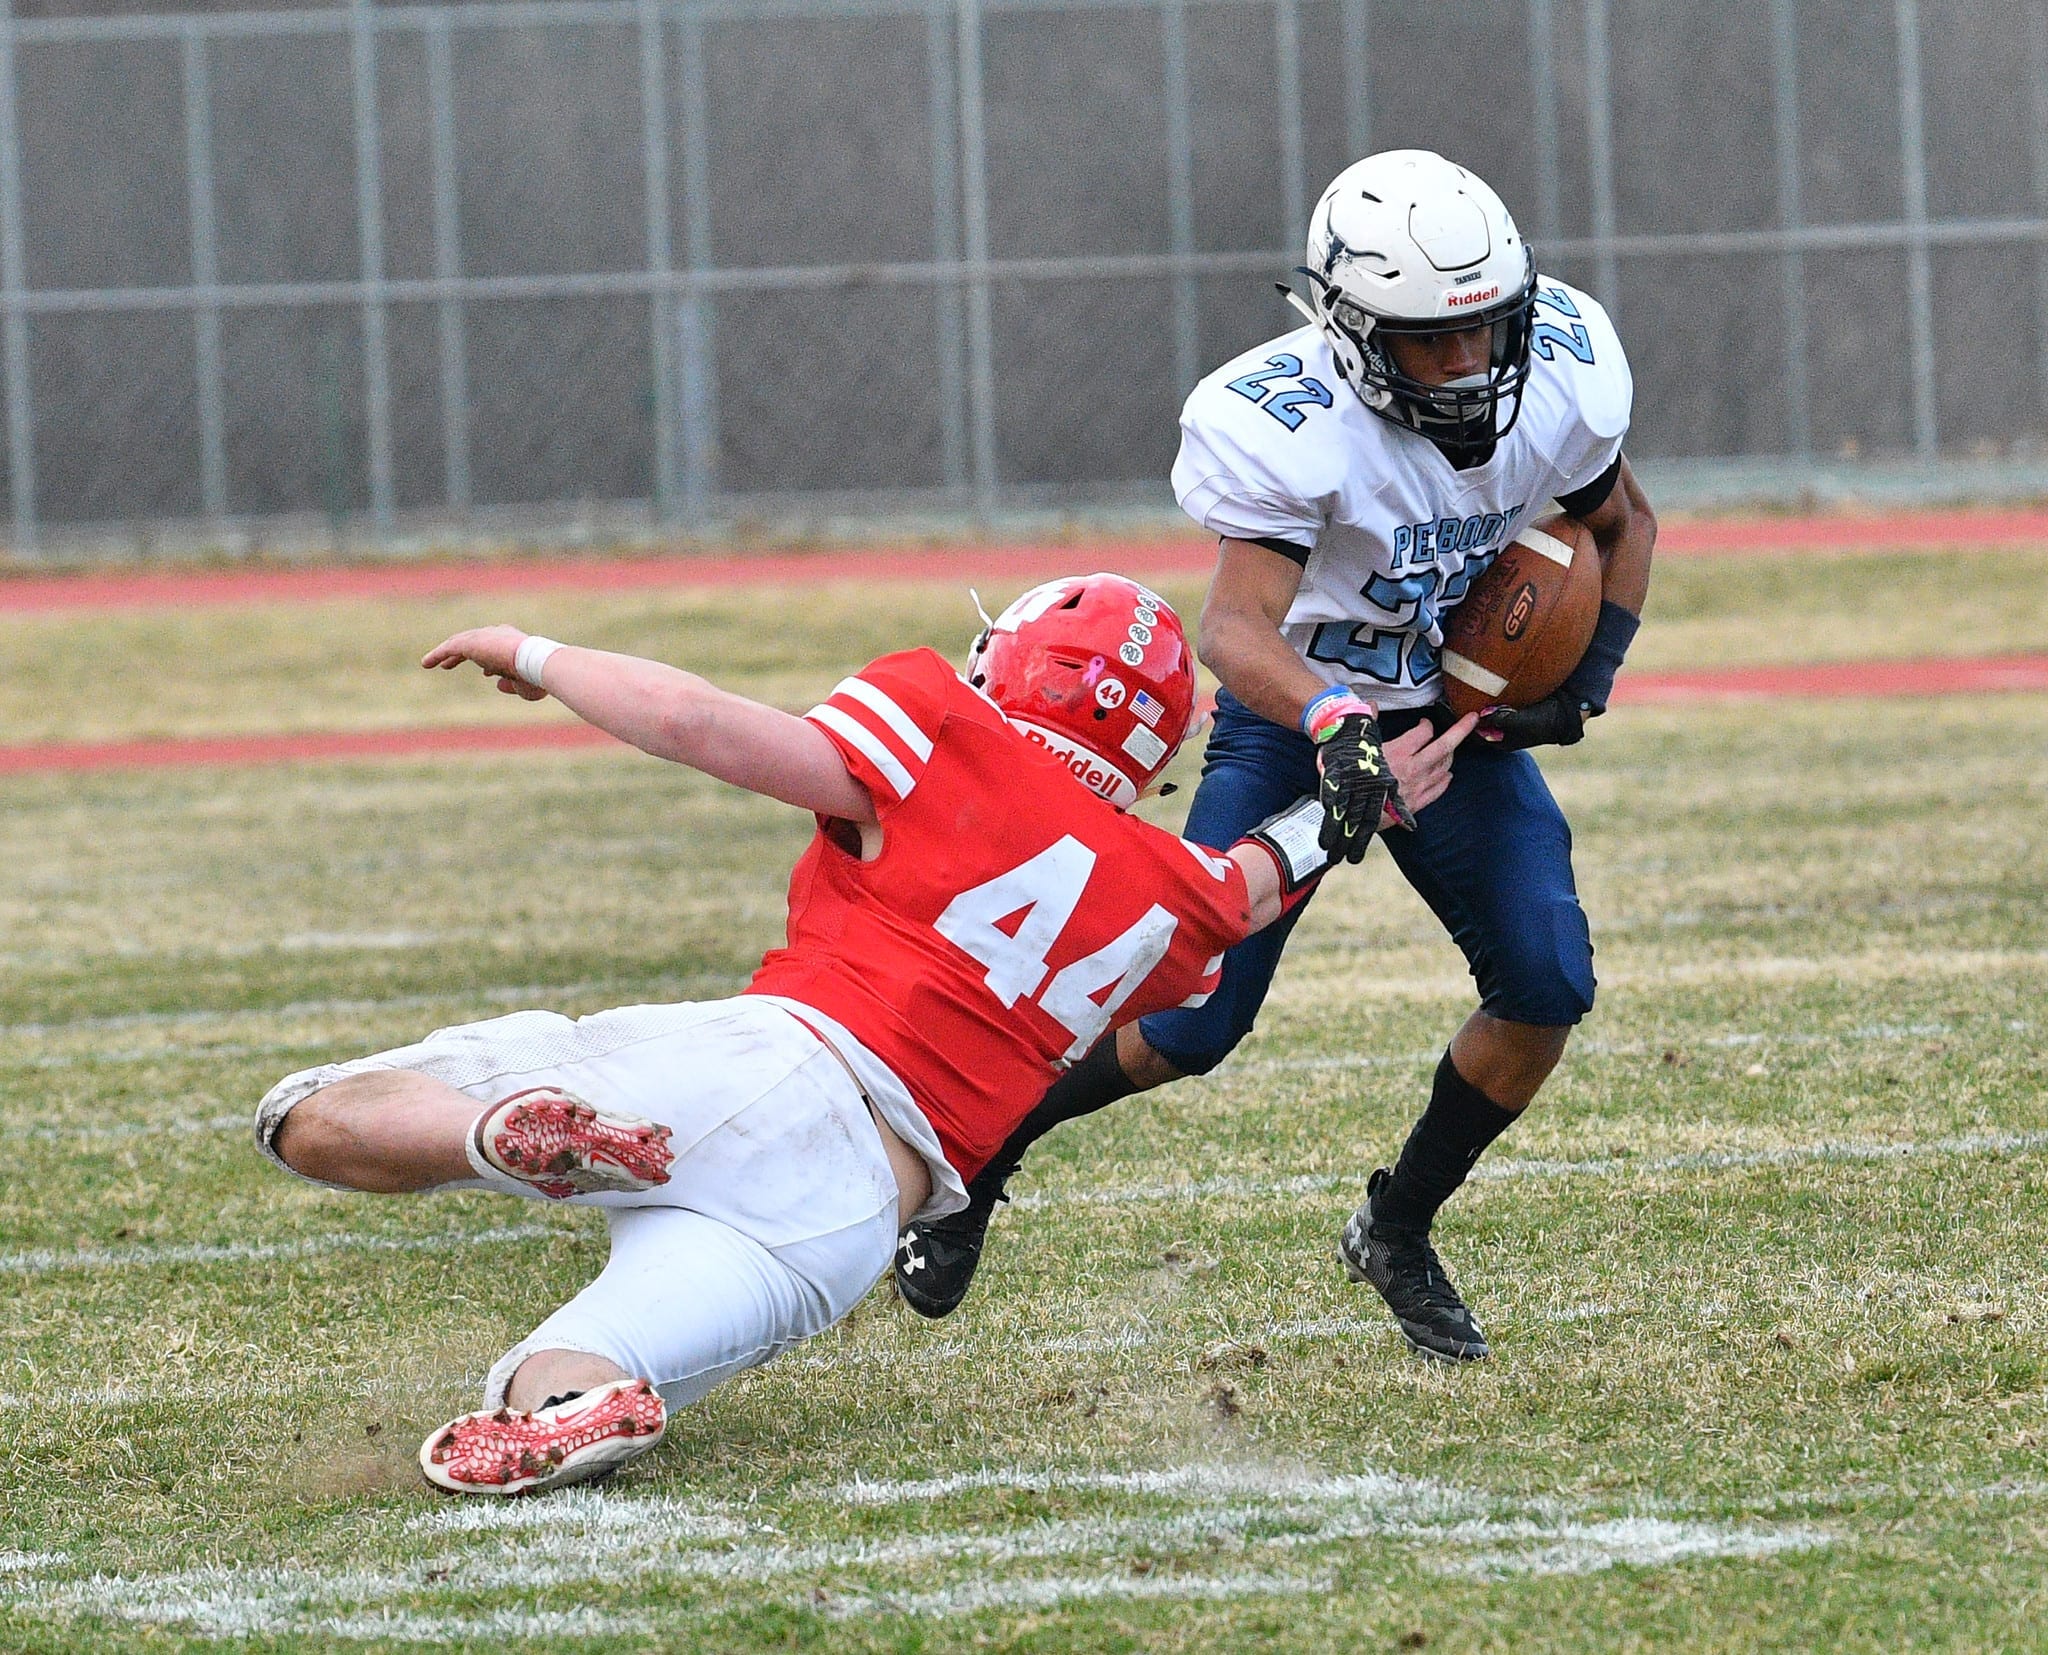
[780,1209]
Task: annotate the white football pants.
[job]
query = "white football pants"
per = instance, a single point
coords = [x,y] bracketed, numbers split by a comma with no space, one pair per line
[780,1209]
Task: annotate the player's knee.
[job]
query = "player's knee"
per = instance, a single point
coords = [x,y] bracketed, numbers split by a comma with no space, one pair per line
[1548,980]
[296,1140]
[1144,1066]
[1173,1060]
[306,1140]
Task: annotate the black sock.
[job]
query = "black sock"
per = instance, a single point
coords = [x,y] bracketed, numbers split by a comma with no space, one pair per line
[1441,1150]
[1096,1082]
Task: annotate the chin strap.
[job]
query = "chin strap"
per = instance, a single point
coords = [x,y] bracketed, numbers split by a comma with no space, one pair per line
[1299,303]
[980,643]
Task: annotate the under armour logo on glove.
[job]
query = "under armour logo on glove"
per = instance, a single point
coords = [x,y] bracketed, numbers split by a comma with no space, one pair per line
[1358,789]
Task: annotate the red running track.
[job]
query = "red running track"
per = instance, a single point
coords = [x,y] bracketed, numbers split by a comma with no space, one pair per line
[1849,679]
[1723,537]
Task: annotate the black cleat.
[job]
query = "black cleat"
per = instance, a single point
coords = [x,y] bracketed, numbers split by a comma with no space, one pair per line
[936,1260]
[1403,1266]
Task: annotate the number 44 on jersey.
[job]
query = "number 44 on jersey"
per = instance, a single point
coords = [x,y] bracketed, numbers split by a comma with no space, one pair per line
[1046,891]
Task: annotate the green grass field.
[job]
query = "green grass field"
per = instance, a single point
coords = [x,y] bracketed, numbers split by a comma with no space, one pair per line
[1763,1267]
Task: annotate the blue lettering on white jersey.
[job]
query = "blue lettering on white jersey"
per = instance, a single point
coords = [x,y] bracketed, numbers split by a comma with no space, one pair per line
[1398,534]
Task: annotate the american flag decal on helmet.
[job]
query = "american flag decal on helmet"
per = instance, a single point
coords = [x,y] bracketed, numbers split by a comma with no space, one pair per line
[1147,709]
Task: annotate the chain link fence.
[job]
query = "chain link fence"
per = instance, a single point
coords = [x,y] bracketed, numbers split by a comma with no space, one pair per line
[700,258]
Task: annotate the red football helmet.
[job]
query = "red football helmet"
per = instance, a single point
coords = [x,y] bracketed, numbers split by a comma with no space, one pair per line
[1096,668]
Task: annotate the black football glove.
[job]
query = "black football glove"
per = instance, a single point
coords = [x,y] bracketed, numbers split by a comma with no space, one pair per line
[1558,720]
[1358,787]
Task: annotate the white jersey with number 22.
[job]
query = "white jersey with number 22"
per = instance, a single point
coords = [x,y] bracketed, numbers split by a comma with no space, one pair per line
[1275,446]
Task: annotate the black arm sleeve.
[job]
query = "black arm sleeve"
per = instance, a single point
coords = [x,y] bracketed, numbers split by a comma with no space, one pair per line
[1594,495]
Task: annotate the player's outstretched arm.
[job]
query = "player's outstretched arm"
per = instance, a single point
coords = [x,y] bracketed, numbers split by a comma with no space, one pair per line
[672,714]
[1284,853]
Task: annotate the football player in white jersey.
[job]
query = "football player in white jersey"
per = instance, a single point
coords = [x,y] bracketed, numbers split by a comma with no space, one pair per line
[1360,472]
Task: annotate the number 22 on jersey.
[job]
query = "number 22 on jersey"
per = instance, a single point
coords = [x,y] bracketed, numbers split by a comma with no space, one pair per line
[1285,406]
[1047,890]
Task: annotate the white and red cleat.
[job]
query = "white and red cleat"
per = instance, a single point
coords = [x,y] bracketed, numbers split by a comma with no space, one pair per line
[502,1452]
[563,1147]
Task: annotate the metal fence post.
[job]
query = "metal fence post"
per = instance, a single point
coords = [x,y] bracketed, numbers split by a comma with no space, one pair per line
[944,117]
[1180,188]
[1791,219]
[213,468]
[370,236]
[1543,95]
[1600,157]
[2037,63]
[455,475]
[21,419]
[1287,94]
[1355,24]
[654,171]
[1919,262]
[974,224]
[699,392]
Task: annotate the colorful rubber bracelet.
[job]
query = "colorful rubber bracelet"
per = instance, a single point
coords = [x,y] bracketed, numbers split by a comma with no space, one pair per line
[1320,718]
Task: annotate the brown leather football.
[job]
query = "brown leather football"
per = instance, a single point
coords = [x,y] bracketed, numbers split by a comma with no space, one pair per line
[1525,623]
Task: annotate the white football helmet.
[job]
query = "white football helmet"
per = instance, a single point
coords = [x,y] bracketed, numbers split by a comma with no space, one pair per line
[1407,242]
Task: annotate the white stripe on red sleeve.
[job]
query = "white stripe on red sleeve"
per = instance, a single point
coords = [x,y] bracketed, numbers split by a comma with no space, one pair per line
[879,702]
[869,745]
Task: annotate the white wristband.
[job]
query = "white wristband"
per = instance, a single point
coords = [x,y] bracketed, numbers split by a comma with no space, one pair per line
[532,657]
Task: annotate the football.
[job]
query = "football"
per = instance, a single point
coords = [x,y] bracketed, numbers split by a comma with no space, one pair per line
[1525,623]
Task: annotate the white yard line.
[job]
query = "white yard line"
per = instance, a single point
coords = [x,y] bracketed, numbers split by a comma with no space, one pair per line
[528,994]
[1384,1490]
[1600,1048]
[1768,968]
[206,1393]
[1510,1168]
[121,1131]
[1259,1515]
[980,1596]
[44,1261]
[129,1056]
[14,1563]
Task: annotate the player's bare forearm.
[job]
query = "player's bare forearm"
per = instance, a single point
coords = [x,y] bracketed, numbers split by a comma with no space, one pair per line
[1625,534]
[1262,880]
[1240,639]
[679,716]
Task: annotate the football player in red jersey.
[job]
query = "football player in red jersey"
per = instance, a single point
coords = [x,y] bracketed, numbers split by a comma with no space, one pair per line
[975,910]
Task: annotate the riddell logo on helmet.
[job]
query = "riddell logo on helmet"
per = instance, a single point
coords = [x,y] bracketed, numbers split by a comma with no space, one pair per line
[1102,779]
[1458,301]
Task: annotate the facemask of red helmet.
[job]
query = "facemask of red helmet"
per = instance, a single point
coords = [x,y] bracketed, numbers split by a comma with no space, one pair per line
[1097,669]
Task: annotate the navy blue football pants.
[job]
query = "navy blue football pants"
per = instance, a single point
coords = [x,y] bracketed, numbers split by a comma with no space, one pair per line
[1491,857]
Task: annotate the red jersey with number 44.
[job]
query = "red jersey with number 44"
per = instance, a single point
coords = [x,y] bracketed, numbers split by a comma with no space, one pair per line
[1011,918]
